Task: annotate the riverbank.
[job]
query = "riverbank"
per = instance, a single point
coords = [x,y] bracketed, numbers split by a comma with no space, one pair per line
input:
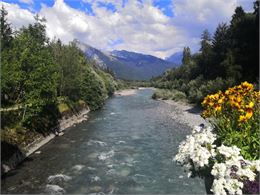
[186,113]
[126,92]
[21,153]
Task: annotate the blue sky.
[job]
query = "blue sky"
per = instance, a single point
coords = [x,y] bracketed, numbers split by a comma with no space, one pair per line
[156,27]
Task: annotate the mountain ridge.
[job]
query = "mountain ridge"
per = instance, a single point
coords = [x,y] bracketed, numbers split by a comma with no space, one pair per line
[127,65]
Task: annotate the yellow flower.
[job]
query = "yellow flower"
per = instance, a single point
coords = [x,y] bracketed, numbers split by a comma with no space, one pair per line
[217,108]
[249,113]
[251,105]
[220,100]
[242,118]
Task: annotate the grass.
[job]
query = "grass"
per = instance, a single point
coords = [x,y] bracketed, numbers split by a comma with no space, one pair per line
[63,107]
[165,94]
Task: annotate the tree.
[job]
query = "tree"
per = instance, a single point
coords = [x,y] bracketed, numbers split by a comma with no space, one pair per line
[186,55]
[205,57]
[245,43]
[237,16]
[6,30]
[221,43]
[205,42]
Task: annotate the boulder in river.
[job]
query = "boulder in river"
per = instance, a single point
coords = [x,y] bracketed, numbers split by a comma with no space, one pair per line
[54,189]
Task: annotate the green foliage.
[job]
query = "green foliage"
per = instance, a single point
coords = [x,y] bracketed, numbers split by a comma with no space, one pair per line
[93,90]
[6,31]
[46,80]
[109,81]
[165,94]
[186,55]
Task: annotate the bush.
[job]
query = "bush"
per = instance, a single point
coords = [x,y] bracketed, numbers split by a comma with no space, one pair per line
[93,90]
[165,94]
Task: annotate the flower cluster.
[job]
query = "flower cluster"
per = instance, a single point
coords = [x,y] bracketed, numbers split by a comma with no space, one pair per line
[234,114]
[242,100]
[232,173]
[195,152]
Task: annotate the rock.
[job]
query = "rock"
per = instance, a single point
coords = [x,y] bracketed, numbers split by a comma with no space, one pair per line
[95,179]
[58,179]
[93,155]
[5,168]
[124,172]
[95,189]
[38,152]
[54,189]
[106,155]
[78,167]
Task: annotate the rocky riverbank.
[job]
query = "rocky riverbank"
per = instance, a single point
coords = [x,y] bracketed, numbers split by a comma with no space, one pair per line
[186,113]
[126,92]
[19,154]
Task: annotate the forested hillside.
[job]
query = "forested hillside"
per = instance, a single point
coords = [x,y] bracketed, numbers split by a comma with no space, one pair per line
[228,57]
[42,79]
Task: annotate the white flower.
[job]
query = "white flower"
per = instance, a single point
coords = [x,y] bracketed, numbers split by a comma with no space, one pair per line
[196,129]
[198,150]
[256,164]
[229,152]
[219,170]
[246,172]
[218,186]
[234,186]
[197,147]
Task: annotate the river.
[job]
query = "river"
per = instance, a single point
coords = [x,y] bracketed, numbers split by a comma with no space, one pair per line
[127,147]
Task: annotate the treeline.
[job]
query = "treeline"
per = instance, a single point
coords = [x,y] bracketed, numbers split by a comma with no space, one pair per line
[39,77]
[226,59]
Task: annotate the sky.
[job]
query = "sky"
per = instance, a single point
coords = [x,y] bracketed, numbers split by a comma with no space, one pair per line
[155,27]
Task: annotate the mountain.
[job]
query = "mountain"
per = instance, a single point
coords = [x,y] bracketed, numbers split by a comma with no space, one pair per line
[127,65]
[175,58]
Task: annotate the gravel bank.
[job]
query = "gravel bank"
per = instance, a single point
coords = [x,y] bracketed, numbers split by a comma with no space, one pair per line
[186,113]
[126,92]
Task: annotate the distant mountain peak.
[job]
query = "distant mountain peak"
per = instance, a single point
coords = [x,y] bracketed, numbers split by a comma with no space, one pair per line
[127,64]
[175,58]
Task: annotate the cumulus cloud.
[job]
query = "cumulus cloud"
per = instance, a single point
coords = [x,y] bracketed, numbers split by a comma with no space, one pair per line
[138,27]
[131,25]
[203,14]
[17,16]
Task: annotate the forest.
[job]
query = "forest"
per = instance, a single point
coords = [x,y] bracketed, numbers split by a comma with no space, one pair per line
[42,79]
[225,59]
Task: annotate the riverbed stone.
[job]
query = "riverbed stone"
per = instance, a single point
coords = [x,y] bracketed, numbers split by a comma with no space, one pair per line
[124,172]
[93,155]
[95,188]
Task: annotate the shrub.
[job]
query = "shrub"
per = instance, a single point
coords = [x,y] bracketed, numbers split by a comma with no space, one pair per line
[165,94]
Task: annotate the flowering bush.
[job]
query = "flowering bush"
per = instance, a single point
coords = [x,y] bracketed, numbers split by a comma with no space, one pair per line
[232,174]
[235,117]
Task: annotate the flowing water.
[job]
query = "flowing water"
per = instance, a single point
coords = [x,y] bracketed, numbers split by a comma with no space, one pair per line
[125,148]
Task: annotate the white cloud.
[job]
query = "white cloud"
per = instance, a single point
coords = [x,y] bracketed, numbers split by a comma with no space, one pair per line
[139,27]
[17,16]
[198,15]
